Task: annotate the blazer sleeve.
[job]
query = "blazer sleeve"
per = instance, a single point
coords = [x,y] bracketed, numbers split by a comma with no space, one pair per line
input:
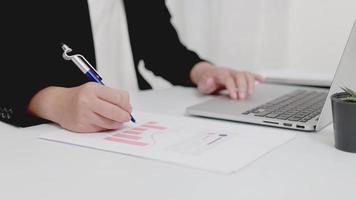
[20,88]
[155,40]
[32,59]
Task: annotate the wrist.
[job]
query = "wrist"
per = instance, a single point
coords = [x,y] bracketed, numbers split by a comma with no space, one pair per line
[46,103]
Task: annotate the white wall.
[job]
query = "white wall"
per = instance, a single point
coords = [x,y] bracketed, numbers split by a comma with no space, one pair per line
[241,33]
[256,34]
[318,31]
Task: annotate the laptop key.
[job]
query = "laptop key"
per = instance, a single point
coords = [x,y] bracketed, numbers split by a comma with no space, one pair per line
[257,110]
[283,116]
[294,118]
[273,115]
[262,114]
[301,115]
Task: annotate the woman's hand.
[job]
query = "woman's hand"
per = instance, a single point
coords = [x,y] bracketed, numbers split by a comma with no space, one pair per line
[210,79]
[87,108]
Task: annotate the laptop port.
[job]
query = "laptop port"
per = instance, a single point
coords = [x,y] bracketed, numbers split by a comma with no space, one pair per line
[287,124]
[300,126]
[269,122]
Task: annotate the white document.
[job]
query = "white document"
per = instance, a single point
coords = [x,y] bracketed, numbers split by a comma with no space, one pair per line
[181,140]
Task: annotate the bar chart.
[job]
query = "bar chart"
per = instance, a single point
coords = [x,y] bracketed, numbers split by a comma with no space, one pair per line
[141,135]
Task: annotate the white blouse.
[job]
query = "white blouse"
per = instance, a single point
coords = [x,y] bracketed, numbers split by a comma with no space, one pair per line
[112,44]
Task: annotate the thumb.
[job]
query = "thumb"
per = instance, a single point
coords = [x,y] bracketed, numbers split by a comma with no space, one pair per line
[207,86]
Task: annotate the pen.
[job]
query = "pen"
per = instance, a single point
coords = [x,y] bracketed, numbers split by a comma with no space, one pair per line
[85,67]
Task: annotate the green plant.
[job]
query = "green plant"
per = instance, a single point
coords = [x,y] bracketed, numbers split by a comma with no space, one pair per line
[351,94]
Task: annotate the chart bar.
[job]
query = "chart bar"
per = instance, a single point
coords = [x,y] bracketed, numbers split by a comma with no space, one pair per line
[123,141]
[132,132]
[154,127]
[133,137]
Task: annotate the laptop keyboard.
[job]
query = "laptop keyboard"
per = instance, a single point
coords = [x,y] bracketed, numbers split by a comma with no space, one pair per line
[299,105]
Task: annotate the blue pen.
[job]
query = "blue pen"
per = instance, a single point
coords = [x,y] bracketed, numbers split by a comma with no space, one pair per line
[85,67]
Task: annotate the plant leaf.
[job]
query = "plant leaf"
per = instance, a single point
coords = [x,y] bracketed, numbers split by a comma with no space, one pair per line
[351,99]
[349,91]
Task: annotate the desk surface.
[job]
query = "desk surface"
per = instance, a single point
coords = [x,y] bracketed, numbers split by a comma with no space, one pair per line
[309,167]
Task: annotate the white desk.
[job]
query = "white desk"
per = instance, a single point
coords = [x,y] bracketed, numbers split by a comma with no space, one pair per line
[308,167]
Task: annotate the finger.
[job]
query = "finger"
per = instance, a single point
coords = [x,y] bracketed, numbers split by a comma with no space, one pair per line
[93,128]
[258,77]
[117,97]
[97,128]
[250,83]
[88,128]
[207,85]
[110,111]
[241,81]
[103,122]
[231,86]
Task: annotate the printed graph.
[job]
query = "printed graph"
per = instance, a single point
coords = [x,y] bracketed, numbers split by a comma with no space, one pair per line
[139,136]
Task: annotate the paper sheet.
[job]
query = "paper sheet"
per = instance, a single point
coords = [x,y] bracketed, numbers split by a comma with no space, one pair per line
[180,140]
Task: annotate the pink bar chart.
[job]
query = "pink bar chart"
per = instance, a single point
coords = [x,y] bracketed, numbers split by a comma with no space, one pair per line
[137,136]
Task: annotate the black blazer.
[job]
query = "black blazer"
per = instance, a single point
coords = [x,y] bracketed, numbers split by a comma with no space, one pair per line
[32,32]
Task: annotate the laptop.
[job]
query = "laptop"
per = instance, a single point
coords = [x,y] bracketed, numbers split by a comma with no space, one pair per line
[300,107]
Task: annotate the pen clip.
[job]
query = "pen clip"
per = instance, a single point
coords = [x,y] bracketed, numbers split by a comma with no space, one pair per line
[89,65]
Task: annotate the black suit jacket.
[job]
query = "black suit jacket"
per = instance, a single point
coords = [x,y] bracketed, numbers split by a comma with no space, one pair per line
[32,34]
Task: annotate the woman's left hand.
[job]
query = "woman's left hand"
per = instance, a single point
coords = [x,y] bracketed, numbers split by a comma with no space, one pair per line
[210,79]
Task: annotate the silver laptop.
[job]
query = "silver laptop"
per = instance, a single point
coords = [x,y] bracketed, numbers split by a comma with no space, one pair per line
[287,106]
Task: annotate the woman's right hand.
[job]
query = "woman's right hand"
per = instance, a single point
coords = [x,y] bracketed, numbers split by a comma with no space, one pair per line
[90,107]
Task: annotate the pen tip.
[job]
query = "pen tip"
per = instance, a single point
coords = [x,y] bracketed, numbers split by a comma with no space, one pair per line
[133,119]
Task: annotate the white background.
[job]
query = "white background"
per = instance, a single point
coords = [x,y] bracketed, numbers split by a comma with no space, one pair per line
[258,34]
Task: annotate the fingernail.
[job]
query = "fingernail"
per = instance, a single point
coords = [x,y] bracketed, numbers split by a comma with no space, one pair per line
[242,96]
